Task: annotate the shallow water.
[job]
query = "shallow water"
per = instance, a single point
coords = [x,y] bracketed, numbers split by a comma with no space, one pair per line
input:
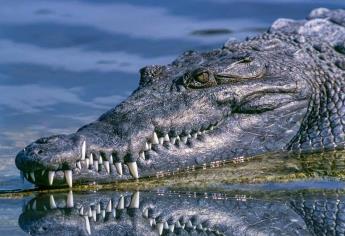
[63,63]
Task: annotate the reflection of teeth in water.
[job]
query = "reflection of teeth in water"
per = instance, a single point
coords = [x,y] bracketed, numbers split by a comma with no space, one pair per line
[97,212]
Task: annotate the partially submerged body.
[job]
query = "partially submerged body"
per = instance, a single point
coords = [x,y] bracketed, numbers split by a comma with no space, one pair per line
[280,91]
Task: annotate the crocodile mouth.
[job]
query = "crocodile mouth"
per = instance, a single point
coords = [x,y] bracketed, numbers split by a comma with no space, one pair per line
[102,165]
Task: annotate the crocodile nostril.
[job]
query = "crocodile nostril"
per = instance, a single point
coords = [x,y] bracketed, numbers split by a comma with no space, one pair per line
[39,151]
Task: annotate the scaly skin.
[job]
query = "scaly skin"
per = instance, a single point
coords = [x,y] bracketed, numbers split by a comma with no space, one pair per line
[283,90]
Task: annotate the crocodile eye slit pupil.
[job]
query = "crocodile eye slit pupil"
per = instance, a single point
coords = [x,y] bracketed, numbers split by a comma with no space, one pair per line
[202,77]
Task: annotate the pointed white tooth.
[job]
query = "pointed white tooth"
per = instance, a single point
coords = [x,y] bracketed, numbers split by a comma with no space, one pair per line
[150,146]
[178,225]
[43,172]
[171,228]
[103,213]
[81,211]
[106,166]
[79,165]
[147,146]
[195,135]
[68,177]
[118,167]
[94,215]
[111,159]
[26,174]
[151,221]
[95,163]
[133,169]
[135,200]
[142,155]
[160,226]
[211,128]
[166,226]
[114,213]
[33,207]
[51,175]
[91,159]
[161,140]
[166,138]
[100,160]
[89,212]
[189,136]
[178,137]
[32,176]
[70,202]
[184,139]
[83,151]
[173,140]
[189,224]
[98,208]
[121,203]
[199,227]
[109,206]
[52,202]
[146,213]
[154,138]
[87,161]
[87,225]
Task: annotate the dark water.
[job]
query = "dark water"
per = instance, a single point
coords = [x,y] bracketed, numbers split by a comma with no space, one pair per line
[63,63]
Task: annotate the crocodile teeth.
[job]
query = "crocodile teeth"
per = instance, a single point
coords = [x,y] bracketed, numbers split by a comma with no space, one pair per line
[166,138]
[146,213]
[109,206]
[70,202]
[96,165]
[79,165]
[43,172]
[91,159]
[68,176]
[160,228]
[98,209]
[87,224]
[121,203]
[147,147]
[52,202]
[161,140]
[106,166]
[100,160]
[118,166]
[32,175]
[111,159]
[142,155]
[133,169]
[81,211]
[135,200]
[184,139]
[83,151]
[51,175]
[171,228]
[173,140]
[154,139]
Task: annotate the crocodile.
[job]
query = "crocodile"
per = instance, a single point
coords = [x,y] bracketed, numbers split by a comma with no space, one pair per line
[283,90]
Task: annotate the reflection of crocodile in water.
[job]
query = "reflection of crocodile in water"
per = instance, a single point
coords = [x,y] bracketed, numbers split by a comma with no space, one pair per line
[148,213]
[282,90]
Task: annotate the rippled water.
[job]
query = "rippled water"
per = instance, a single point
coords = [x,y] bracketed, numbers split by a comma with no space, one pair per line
[63,63]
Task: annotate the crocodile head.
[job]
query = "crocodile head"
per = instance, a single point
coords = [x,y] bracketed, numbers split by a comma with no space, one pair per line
[244,99]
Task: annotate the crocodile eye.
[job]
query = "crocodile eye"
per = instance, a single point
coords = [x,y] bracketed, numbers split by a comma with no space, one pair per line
[202,77]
